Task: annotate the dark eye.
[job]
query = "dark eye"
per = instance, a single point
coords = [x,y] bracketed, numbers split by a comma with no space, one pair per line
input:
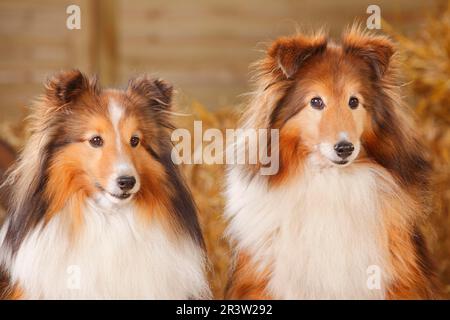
[96,141]
[134,141]
[353,102]
[317,103]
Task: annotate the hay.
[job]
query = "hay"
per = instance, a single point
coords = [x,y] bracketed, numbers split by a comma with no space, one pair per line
[427,66]
[206,183]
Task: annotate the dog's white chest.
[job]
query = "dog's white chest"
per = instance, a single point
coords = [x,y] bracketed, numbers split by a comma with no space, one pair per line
[114,257]
[322,234]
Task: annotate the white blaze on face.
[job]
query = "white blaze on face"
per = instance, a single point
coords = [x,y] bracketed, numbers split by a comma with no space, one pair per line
[343,136]
[116,114]
[123,165]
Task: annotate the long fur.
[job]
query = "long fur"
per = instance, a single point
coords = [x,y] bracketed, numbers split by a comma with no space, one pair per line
[311,231]
[7,158]
[150,248]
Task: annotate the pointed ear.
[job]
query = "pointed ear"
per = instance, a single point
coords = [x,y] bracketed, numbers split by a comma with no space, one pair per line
[155,91]
[375,50]
[290,52]
[66,86]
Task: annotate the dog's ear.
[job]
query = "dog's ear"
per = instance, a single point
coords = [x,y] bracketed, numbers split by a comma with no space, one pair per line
[290,52]
[375,50]
[156,92]
[66,86]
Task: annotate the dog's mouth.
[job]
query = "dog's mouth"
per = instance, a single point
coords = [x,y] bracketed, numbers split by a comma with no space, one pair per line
[122,196]
[119,196]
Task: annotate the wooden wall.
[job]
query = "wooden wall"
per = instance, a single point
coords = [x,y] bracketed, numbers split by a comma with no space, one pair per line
[34,43]
[202,46]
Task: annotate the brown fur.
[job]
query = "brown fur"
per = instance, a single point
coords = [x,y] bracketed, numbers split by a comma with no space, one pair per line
[246,283]
[8,291]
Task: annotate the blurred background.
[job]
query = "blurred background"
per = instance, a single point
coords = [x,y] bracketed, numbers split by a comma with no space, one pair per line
[204,48]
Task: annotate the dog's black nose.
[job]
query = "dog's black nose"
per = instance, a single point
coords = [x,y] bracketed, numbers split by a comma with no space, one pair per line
[344,149]
[126,182]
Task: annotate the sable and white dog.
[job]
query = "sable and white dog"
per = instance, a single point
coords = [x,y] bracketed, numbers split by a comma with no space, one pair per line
[98,208]
[340,218]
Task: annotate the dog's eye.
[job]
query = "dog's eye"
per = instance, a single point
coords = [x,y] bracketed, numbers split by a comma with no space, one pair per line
[134,141]
[353,102]
[96,141]
[317,103]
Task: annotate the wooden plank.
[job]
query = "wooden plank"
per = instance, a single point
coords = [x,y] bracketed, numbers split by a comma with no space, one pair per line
[104,39]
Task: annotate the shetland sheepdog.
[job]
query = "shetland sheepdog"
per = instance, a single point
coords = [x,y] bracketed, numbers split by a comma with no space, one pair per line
[98,209]
[341,217]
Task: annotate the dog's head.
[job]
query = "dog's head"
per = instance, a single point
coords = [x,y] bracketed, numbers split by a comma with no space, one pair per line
[332,89]
[105,143]
[335,103]
[106,148]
